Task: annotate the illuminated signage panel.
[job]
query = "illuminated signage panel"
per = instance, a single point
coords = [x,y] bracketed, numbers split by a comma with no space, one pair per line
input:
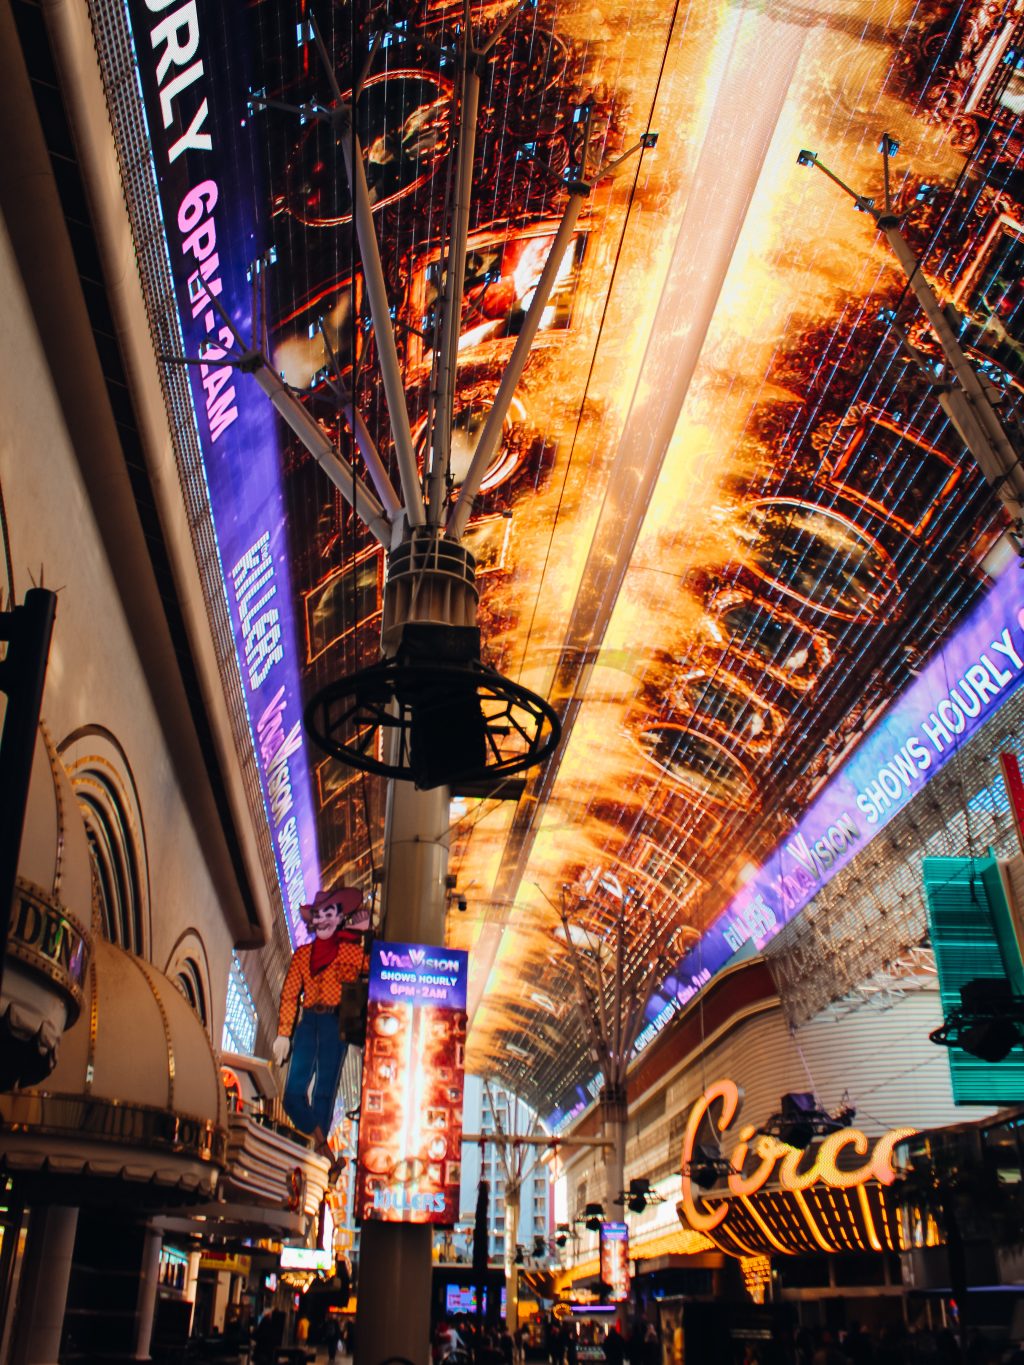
[410,1133]
[225,1261]
[972,934]
[461,1298]
[209,189]
[615,1260]
[306,1258]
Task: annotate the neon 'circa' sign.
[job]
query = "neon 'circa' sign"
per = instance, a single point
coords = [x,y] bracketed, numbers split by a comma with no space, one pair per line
[758,1158]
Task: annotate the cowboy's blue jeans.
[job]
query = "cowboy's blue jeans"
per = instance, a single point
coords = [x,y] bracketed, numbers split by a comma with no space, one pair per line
[318,1054]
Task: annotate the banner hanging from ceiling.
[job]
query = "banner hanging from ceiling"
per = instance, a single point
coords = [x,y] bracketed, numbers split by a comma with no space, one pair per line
[210,187]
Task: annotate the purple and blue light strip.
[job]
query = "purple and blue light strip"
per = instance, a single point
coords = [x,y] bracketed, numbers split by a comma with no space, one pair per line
[193,72]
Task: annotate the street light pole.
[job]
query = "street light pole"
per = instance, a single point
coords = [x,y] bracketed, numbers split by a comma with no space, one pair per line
[611,1003]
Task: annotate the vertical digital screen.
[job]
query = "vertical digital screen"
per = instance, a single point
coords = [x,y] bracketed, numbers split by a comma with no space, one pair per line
[615,1260]
[212,195]
[410,1134]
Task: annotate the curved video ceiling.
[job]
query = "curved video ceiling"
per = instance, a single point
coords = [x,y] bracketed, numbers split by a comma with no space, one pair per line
[728,520]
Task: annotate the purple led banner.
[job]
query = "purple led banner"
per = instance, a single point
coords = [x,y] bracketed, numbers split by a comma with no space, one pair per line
[192,67]
[410,973]
[961,687]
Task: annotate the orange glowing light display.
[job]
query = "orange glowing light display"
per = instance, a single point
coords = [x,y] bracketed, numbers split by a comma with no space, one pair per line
[410,1133]
[845,1160]
[614,1244]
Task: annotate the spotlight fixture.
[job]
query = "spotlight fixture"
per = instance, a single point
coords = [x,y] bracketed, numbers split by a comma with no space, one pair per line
[593,1217]
[801,1119]
[639,1195]
[540,1248]
[432,713]
[989,1022]
[705,1168]
[562,1234]
[520,1256]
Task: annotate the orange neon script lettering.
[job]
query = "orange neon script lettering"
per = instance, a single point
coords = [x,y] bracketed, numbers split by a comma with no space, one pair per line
[823,1166]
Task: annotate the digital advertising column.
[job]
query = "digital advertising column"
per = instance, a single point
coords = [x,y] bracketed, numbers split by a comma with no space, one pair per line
[410,1130]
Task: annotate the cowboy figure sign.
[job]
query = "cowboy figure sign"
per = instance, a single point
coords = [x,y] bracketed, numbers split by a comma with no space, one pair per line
[318,975]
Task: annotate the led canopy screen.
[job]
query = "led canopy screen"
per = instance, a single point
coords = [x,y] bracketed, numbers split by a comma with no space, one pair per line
[410,1133]
[727,522]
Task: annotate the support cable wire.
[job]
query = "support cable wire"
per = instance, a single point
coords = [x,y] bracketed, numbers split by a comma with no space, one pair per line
[5,533]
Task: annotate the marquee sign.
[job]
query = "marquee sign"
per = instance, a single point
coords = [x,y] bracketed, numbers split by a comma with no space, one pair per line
[845,1160]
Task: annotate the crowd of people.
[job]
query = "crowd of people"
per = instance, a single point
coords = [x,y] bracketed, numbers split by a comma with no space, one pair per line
[464,1341]
[895,1344]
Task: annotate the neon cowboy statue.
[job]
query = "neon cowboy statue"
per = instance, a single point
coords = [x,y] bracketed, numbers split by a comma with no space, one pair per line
[319,974]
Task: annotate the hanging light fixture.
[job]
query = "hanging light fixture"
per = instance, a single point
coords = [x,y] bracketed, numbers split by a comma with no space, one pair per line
[593,1217]
[989,1022]
[801,1119]
[639,1195]
[705,1168]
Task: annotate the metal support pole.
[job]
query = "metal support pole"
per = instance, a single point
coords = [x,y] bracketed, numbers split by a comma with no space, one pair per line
[44,1289]
[380,312]
[969,402]
[969,405]
[489,437]
[613,1106]
[27,630]
[513,1198]
[315,439]
[371,456]
[149,1279]
[395,1258]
